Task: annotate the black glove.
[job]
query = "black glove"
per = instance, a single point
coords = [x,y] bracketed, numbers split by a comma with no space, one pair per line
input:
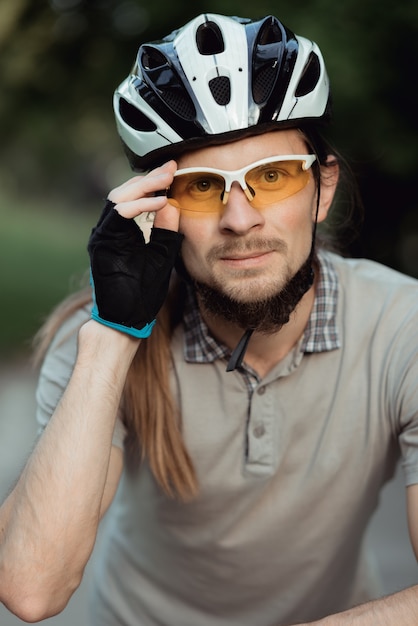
[130,278]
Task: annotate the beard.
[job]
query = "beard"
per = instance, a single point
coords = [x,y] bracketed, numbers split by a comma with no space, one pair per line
[266,315]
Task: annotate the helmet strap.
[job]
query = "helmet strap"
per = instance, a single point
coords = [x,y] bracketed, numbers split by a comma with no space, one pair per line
[239,351]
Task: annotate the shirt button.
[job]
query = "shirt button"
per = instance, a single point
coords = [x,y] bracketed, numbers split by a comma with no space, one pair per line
[259,431]
[261,391]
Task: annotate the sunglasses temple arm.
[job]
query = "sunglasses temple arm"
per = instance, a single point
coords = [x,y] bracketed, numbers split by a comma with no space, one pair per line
[307,164]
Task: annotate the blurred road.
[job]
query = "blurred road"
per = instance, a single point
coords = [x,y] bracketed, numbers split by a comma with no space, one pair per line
[387,534]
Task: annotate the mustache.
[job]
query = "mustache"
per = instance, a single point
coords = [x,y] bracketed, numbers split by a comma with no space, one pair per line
[244,246]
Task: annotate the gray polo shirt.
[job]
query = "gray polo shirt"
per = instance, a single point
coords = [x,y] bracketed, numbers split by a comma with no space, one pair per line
[290,468]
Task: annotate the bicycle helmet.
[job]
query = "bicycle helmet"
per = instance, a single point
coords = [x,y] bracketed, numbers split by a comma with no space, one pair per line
[215,80]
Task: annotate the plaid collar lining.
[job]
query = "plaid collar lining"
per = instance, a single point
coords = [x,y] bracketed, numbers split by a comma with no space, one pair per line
[321,333]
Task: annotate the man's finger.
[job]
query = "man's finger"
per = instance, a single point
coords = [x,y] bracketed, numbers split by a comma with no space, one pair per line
[167,217]
[136,207]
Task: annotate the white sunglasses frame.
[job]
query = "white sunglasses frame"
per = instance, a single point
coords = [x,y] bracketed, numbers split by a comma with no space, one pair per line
[238,176]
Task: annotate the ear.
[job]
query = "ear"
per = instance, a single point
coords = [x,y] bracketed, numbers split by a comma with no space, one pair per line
[330,172]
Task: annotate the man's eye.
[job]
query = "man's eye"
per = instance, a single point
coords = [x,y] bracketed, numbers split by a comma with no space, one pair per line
[202,185]
[206,185]
[272,176]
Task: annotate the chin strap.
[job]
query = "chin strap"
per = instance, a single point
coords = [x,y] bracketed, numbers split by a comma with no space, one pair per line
[238,354]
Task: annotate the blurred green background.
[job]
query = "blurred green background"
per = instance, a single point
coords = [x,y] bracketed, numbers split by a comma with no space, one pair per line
[59,152]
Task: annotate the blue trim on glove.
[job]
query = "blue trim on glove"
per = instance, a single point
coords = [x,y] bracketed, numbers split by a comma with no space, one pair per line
[139,333]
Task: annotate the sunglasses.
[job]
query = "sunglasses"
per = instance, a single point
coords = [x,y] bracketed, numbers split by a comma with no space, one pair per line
[265,182]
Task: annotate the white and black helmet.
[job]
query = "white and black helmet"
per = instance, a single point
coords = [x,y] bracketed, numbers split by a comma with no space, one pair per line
[215,80]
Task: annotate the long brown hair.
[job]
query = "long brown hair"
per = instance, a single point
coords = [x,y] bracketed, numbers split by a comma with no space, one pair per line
[150,414]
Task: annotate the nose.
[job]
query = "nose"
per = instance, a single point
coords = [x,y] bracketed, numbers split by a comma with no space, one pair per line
[238,215]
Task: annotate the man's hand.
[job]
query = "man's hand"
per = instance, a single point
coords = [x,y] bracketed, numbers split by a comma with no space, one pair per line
[130,278]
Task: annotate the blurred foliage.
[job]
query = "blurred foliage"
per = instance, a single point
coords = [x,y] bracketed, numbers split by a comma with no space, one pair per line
[43,258]
[61,60]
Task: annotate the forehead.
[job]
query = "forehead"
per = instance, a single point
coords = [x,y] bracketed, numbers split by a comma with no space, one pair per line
[238,154]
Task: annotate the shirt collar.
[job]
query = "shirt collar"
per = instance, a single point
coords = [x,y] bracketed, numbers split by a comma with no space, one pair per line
[321,333]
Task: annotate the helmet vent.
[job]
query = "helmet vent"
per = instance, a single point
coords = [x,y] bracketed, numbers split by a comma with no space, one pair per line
[263,83]
[267,59]
[178,103]
[270,32]
[165,82]
[310,76]
[152,59]
[209,39]
[134,117]
[220,88]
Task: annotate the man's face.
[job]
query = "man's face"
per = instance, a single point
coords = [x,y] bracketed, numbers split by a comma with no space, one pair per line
[245,253]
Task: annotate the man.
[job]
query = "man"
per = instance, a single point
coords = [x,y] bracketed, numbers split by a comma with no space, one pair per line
[243,437]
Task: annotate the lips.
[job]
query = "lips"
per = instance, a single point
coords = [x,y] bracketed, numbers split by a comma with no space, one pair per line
[245,250]
[244,257]
[253,260]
